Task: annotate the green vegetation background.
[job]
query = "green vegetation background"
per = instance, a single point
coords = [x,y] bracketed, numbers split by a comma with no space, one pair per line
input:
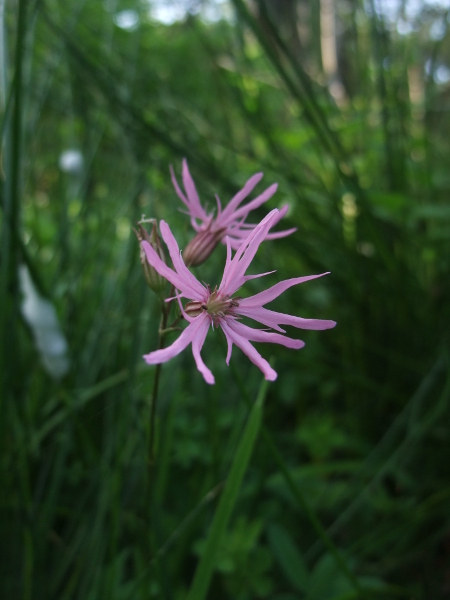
[347,491]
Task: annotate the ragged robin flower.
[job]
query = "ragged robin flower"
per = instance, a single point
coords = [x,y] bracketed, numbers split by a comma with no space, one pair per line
[220,307]
[228,222]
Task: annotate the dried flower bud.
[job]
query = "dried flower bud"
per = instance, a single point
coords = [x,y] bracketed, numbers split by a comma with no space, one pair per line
[202,246]
[153,278]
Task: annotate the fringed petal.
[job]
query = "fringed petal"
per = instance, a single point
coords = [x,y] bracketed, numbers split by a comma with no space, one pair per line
[258,335]
[190,282]
[241,195]
[186,337]
[160,266]
[275,319]
[197,345]
[195,208]
[273,292]
[251,352]
[234,272]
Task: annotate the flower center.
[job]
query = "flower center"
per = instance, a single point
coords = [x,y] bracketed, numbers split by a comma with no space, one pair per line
[217,306]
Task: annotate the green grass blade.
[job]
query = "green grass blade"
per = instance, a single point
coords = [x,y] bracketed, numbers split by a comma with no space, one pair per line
[11,205]
[289,558]
[301,501]
[205,568]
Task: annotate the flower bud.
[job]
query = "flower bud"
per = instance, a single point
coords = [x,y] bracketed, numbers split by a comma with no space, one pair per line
[152,277]
[194,308]
[202,246]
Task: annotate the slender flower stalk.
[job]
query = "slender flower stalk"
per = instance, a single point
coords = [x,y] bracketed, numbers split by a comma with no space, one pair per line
[219,307]
[228,222]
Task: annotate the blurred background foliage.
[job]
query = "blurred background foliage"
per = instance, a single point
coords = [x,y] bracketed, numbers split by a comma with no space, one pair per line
[345,104]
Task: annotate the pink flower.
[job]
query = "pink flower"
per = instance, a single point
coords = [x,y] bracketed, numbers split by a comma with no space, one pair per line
[228,222]
[212,308]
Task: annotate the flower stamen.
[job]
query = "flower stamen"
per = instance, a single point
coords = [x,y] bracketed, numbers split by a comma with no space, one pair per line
[217,306]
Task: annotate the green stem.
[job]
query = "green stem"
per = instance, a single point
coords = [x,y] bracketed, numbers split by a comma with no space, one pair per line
[9,234]
[151,439]
[163,329]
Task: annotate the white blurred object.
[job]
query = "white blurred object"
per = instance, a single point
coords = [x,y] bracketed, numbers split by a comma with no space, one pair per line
[40,314]
[71,161]
[442,74]
[438,30]
[169,12]
[127,19]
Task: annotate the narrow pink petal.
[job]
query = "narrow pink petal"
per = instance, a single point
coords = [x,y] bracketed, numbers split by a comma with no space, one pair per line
[186,337]
[190,282]
[228,263]
[195,207]
[275,319]
[280,234]
[251,244]
[229,275]
[236,237]
[249,351]
[239,225]
[233,275]
[274,291]
[237,222]
[258,335]
[239,231]
[237,199]
[180,194]
[258,275]
[160,266]
[282,212]
[197,345]
[236,242]
[229,347]
[244,210]
[219,206]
